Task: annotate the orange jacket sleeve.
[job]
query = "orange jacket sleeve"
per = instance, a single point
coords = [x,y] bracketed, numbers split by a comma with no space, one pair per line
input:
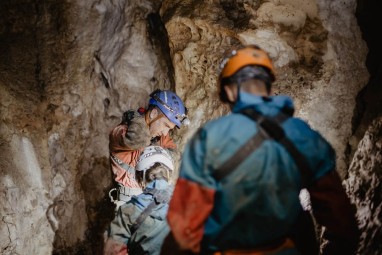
[190,206]
[167,142]
[119,148]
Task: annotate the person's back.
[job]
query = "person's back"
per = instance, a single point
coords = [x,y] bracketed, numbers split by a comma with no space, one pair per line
[254,206]
[245,171]
[140,226]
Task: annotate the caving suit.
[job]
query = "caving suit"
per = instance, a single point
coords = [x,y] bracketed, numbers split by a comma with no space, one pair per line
[128,234]
[257,204]
[123,160]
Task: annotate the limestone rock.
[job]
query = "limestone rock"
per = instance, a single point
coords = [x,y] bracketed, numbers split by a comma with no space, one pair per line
[364,186]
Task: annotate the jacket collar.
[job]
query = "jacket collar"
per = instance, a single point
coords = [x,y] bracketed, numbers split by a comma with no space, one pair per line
[266,105]
[157,184]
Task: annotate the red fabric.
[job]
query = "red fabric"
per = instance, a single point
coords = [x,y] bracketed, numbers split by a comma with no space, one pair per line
[113,247]
[118,147]
[167,142]
[332,209]
[190,206]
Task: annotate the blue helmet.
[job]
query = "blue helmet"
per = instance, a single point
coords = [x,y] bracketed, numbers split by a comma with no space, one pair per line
[171,106]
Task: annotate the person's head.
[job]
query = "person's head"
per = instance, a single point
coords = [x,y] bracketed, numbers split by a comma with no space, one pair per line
[248,69]
[166,111]
[154,163]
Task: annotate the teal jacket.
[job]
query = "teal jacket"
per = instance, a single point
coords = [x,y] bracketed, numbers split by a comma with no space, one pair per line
[259,201]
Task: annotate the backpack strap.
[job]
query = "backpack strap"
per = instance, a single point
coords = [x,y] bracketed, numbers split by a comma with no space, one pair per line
[159,197]
[269,128]
[122,164]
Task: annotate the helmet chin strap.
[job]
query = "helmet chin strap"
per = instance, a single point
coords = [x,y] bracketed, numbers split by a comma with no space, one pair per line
[238,91]
[238,84]
[149,121]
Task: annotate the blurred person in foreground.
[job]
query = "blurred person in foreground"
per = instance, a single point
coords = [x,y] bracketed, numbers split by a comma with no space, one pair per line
[241,176]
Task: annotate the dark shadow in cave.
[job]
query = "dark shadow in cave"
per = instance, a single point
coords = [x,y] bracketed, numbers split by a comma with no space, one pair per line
[368,101]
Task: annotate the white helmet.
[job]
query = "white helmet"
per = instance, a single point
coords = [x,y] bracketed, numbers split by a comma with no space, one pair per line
[152,155]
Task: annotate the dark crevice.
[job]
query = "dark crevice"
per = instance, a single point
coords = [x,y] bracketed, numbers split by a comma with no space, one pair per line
[38,66]
[368,100]
[235,11]
[181,8]
[159,39]
[105,81]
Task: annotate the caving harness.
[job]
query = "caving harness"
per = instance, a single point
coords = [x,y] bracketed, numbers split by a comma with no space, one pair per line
[123,194]
[269,129]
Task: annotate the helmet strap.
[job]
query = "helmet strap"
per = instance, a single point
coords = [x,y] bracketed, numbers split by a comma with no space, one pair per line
[150,121]
[238,91]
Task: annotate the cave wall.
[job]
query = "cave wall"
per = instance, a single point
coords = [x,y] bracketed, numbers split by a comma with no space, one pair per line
[70,68]
[365,186]
[363,182]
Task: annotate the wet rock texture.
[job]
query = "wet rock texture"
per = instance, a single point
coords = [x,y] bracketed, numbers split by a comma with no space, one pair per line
[364,182]
[69,69]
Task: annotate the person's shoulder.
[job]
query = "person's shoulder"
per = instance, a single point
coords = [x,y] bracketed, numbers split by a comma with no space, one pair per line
[223,120]
[300,124]
[302,128]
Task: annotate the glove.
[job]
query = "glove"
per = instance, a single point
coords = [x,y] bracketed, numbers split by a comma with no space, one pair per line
[128,116]
[138,132]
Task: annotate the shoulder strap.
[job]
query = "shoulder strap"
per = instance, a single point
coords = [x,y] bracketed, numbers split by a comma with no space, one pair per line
[159,197]
[269,128]
[122,164]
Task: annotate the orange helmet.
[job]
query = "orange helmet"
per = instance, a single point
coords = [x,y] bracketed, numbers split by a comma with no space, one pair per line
[250,55]
[241,60]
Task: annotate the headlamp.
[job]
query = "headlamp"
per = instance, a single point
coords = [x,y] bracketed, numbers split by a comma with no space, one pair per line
[181,117]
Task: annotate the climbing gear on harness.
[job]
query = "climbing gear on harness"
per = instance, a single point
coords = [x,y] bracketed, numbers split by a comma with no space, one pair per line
[269,128]
[111,195]
[123,193]
[250,62]
[266,250]
[171,106]
[160,196]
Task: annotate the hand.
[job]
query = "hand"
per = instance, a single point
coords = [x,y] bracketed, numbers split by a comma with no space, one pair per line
[128,116]
[138,133]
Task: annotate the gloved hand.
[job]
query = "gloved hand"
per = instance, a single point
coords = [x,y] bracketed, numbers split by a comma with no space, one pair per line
[138,133]
[128,116]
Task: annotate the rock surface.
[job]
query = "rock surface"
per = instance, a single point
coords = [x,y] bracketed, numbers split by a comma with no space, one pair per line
[364,183]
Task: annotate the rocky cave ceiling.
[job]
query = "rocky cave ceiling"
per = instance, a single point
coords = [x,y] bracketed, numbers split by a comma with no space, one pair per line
[69,69]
